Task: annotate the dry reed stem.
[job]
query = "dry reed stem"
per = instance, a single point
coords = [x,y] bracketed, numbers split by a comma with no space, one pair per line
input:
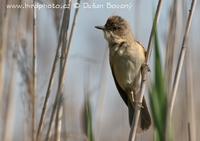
[27,76]
[34,71]
[179,67]
[1,60]
[60,87]
[9,115]
[58,109]
[3,44]
[9,112]
[58,121]
[132,134]
[58,117]
[64,23]
[171,45]
[181,60]
[190,100]
[189,132]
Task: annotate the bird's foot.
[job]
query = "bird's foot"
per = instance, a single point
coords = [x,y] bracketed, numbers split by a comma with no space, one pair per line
[144,69]
[138,104]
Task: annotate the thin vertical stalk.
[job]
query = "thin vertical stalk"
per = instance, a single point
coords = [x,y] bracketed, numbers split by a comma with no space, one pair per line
[59,108]
[189,132]
[9,116]
[1,57]
[179,66]
[11,61]
[171,45]
[60,87]
[3,44]
[58,121]
[181,59]
[132,134]
[190,100]
[64,26]
[34,71]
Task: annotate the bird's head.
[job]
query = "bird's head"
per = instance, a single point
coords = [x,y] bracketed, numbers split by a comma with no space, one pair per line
[116,30]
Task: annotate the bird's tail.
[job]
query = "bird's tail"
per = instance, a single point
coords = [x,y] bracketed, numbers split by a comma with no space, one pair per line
[145,119]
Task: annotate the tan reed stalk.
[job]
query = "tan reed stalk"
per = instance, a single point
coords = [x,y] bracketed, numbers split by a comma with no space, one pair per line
[1,59]
[171,45]
[3,44]
[190,100]
[179,67]
[64,25]
[132,134]
[58,122]
[34,70]
[58,117]
[60,88]
[9,115]
[181,60]
[9,112]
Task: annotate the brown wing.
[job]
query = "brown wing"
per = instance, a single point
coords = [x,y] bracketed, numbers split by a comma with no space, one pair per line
[125,98]
[145,116]
[142,47]
[120,90]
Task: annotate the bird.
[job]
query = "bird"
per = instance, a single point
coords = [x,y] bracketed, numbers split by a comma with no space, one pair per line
[127,58]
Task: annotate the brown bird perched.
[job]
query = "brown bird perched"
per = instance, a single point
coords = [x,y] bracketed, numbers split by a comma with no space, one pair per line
[127,58]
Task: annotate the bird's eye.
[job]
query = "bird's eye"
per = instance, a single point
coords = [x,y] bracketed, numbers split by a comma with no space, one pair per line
[115,27]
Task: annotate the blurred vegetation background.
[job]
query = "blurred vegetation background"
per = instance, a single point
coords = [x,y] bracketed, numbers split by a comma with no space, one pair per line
[91,106]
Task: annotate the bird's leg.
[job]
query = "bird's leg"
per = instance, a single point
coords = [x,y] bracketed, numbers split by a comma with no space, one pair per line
[134,98]
[131,97]
[144,69]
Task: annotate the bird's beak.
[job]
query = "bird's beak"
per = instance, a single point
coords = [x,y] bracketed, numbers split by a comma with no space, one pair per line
[100,27]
